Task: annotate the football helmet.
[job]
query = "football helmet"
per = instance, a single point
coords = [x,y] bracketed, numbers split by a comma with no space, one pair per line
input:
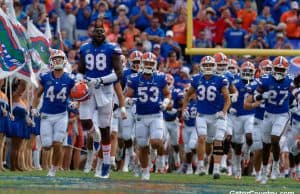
[233,66]
[208,65]
[135,59]
[280,67]
[149,63]
[265,66]
[222,62]
[58,59]
[80,92]
[247,71]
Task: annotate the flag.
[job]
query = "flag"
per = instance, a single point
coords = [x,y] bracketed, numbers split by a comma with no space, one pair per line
[26,72]
[60,40]
[12,57]
[40,52]
[47,33]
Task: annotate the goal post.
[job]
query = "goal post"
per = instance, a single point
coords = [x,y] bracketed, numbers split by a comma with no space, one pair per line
[240,52]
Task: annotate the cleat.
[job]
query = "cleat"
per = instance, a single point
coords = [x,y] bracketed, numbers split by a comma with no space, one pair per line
[189,170]
[258,178]
[223,170]
[264,176]
[275,172]
[98,168]
[105,171]
[216,176]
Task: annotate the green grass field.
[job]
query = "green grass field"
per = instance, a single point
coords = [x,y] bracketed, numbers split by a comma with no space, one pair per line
[77,182]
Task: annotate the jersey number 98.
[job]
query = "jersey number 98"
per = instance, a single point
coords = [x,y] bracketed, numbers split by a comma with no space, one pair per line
[97,62]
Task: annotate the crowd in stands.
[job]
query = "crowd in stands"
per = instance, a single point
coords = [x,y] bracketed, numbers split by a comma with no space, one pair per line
[160,25]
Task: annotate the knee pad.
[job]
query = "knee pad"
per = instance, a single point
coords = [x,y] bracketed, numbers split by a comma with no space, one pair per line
[142,142]
[226,146]
[238,149]
[218,148]
[46,142]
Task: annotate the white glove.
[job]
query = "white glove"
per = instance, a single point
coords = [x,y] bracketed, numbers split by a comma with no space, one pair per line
[94,82]
[172,111]
[35,112]
[123,113]
[232,111]
[185,114]
[129,102]
[73,105]
[233,97]
[165,104]
[265,95]
[221,115]
[79,77]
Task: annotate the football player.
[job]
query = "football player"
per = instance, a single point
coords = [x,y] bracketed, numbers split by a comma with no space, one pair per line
[275,88]
[243,120]
[153,95]
[56,86]
[265,68]
[101,65]
[222,63]
[171,119]
[211,91]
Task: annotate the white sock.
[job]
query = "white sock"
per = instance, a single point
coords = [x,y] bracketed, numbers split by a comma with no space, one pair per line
[112,159]
[216,168]
[130,151]
[90,155]
[238,161]
[106,153]
[224,161]
[201,163]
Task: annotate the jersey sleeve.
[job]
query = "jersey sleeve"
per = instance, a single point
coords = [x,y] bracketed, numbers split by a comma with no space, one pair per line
[224,82]
[116,50]
[261,86]
[194,82]
[131,82]
[251,87]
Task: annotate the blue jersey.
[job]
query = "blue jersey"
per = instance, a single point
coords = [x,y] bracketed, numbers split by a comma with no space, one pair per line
[148,92]
[56,92]
[278,93]
[260,110]
[177,96]
[208,91]
[230,78]
[244,90]
[192,109]
[98,60]
[125,76]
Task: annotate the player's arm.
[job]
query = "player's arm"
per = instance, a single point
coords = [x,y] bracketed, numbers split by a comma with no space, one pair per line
[117,65]
[119,93]
[187,96]
[166,104]
[295,88]
[81,69]
[233,92]
[227,102]
[250,103]
[37,95]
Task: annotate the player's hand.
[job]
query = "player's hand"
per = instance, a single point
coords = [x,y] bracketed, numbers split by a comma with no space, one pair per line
[79,77]
[164,105]
[234,97]
[185,114]
[35,112]
[123,113]
[73,105]
[265,95]
[258,97]
[129,102]
[232,111]
[11,117]
[221,115]
[94,82]
[4,111]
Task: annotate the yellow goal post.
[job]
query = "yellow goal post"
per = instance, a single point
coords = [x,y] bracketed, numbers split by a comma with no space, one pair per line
[240,52]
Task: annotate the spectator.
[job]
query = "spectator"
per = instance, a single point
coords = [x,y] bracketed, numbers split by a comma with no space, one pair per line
[204,22]
[259,40]
[266,15]
[278,8]
[290,18]
[160,59]
[179,30]
[168,44]
[36,12]
[160,8]
[235,36]
[222,24]
[248,15]
[82,12]
[170,17]
[200,42]
[155,33]
[172,64]
[122,19]
[282,42]
[130,33]
[182,78]
[146,43]
[101,10]
[142,15]
[67,20]
[114,35]
[20,14]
